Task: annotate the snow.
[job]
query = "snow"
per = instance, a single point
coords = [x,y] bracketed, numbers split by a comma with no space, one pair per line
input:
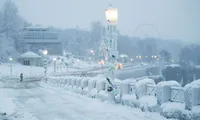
[194,84]
[173,65]
[17,69]
[148,101]
[129,81]
[130,100]
[29,54]
[6,103]
[44,102]
[168,83]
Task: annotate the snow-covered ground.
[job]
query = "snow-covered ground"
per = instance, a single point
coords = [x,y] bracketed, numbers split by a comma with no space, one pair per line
[17,69]
[32,100]
[33,71]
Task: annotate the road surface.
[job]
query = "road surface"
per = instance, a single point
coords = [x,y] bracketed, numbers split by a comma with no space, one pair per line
[36,100]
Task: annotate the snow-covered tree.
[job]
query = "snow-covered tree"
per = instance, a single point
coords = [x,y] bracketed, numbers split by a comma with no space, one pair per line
[10,25]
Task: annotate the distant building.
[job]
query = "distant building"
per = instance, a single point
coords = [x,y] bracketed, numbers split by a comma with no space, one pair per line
[38,38]
[30,59]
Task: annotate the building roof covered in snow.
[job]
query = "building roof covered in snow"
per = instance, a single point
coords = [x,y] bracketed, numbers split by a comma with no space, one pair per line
[29,54]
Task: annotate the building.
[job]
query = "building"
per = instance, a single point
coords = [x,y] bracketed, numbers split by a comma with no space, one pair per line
[38,38]
[30,59]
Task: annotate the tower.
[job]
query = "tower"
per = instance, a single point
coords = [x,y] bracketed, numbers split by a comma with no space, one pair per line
[111,32]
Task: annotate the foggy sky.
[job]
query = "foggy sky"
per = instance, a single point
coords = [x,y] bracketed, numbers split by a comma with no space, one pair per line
[175,19]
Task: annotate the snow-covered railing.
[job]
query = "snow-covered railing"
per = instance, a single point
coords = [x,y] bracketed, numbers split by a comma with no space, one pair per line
[142,94]
[177,94]
[151,90]
[132,88]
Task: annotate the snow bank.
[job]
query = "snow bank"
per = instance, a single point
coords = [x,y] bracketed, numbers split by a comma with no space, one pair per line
[141,85]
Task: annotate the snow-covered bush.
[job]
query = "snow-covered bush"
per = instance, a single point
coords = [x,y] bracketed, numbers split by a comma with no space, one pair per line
[129,100]
[197,72]
[141,87]
[148,103]
[172,110]
[172,72]
[163,92]
[157,78]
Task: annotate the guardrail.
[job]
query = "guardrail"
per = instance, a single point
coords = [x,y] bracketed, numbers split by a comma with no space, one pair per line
[133,94]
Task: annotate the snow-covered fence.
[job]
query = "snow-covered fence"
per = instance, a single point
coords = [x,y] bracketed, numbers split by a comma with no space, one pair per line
[151,90]
[141,87]
[177,94]
[163,92]
[167,93]
[125,88]
[192,94]
[132,88]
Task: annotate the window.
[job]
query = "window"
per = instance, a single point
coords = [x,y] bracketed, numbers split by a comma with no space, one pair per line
[26,62]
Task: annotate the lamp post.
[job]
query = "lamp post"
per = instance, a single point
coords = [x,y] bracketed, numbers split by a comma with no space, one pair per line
[78,63]
[54,64]
[45,52]
[10,59]
[92,54]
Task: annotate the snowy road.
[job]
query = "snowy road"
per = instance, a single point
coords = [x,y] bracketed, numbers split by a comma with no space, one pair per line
[43,102]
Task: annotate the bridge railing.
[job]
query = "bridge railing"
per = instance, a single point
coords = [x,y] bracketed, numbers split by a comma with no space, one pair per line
[165,92]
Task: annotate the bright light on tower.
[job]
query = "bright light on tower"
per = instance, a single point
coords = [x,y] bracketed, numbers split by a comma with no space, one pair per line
[45,52]
[54,59]
[10,59]
[112,15]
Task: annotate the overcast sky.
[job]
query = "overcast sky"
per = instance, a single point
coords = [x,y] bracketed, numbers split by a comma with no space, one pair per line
[175,19]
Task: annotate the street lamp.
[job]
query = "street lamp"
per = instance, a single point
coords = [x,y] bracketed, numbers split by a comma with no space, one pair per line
[54,64]
[78,63]
[131,59]
[92,51]
[10,59]
[45,52]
